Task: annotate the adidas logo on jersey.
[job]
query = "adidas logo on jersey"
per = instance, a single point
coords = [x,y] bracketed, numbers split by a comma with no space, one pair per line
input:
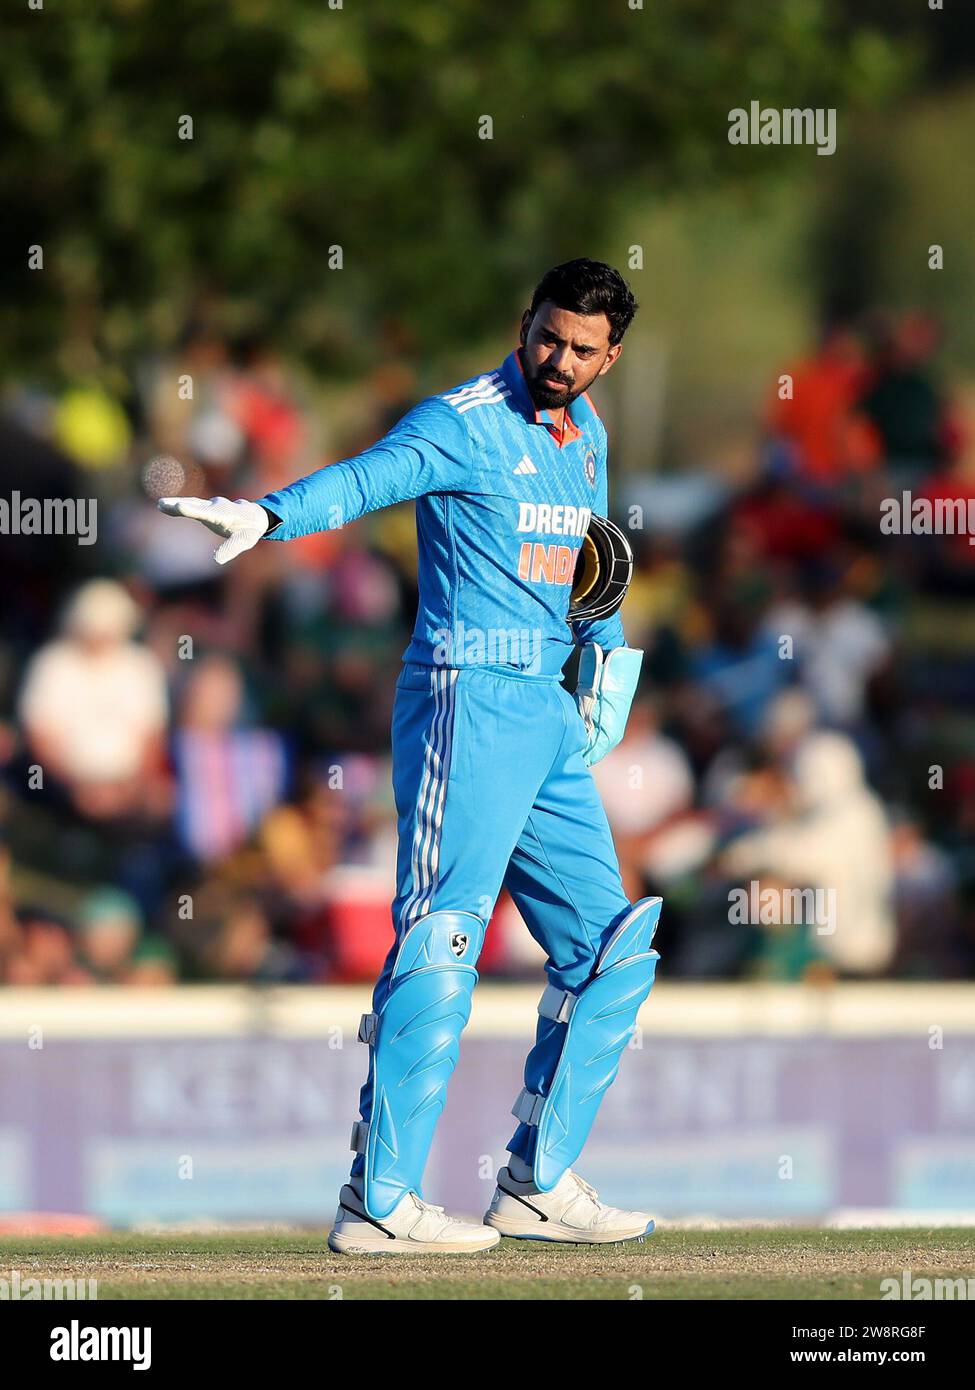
[525,465]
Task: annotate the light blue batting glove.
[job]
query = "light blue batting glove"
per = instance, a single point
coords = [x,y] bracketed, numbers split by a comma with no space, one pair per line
[604,694]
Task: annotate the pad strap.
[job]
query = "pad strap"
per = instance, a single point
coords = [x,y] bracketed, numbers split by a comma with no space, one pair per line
[556,1004]
[528,1107]
[368,1026]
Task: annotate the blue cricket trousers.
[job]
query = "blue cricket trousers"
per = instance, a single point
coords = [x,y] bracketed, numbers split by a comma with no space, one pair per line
[491,789]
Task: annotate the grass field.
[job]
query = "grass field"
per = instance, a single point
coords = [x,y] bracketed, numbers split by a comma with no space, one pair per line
[739,1263]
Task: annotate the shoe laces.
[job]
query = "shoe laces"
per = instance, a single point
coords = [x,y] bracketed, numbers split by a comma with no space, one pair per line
[586,1188]
[427,1206]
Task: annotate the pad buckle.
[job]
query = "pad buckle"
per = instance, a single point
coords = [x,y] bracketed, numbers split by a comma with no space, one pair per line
[368,1027]
[556,1004]
[528,1107]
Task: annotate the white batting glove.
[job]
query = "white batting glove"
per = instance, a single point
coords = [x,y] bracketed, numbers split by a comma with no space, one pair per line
[242,524]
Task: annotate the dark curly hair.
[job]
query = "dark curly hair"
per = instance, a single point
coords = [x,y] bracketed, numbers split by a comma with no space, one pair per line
[589,287]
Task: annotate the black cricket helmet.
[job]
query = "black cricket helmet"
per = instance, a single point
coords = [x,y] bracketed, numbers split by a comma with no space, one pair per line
[604,568]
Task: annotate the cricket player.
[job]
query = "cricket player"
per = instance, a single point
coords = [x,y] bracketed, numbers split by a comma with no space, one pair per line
[491,769]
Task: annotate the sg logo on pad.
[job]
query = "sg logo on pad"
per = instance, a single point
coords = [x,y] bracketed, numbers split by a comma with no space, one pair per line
[459,941]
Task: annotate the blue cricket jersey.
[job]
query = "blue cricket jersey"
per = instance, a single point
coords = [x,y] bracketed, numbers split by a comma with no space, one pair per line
[503,503]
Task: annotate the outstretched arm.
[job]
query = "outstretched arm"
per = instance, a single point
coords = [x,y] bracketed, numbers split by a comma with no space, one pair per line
[427,451]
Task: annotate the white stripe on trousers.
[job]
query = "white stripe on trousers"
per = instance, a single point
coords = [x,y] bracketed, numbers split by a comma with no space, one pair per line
[431,796]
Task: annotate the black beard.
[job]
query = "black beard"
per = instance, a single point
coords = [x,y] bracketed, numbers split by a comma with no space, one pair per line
[550,397]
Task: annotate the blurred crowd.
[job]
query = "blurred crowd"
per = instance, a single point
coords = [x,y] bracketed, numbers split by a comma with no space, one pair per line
[195,760]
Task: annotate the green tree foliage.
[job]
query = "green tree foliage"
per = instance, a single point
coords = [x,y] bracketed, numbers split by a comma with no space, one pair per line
[358,127]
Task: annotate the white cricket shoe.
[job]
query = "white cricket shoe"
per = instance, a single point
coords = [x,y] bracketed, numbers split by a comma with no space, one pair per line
[571,1213]
[413,1227]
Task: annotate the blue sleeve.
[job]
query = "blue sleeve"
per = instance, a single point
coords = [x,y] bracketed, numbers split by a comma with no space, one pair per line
[427,451]
[608,632]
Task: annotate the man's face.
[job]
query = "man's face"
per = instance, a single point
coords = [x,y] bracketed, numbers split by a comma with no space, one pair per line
[562,353]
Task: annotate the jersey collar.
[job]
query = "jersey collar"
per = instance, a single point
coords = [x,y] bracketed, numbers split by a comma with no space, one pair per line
[514,376]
